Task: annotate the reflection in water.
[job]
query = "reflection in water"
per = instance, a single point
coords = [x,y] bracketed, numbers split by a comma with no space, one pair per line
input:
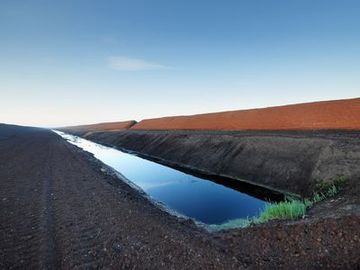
[192,196]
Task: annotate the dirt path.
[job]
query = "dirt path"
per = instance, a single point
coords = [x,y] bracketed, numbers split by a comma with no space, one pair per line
[59,210]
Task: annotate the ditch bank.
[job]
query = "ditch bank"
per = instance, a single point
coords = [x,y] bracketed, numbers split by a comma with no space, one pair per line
[62,210]
[287,161]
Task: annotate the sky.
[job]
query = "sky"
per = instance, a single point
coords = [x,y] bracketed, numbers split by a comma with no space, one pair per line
[75,62]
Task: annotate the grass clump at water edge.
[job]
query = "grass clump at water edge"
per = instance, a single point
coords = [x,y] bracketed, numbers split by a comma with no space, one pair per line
[282,210]
[289,209]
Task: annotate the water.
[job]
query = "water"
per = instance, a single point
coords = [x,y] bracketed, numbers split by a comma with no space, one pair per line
[189,195]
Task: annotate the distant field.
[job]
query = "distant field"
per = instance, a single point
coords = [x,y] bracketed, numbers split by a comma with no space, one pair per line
[336,114]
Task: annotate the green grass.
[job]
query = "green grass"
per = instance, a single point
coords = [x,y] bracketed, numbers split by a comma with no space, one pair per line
[291,209]
[288,209]
[283,210]
[294,209]
[318,197]
[330,192]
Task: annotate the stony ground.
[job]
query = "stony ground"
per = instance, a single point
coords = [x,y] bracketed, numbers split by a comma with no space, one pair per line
[60,209]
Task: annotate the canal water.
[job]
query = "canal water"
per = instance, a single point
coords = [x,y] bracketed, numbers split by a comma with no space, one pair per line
[189,195]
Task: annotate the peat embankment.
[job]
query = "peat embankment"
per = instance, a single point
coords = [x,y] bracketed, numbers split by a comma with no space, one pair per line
[335,114]
[287,148]
[290,161]
[107,126]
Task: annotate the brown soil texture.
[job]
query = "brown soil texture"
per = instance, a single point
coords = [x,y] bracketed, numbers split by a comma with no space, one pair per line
[63,209]
[107,126]
[286,161]
[336,114]
[59,210]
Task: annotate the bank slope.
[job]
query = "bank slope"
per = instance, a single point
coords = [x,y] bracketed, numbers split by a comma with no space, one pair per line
[288,148]
[335,114]
[106,126]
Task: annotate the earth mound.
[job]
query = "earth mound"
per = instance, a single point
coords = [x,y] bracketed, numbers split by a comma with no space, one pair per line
[334,115]
[107,126]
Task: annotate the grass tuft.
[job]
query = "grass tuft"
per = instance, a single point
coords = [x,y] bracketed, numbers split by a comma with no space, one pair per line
[289,209]
[283,210]
[330,186]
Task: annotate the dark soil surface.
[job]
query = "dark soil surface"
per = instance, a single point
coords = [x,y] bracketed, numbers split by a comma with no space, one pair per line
[289,161]
[60,208]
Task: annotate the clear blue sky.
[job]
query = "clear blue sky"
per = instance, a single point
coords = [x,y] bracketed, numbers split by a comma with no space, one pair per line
[79,61]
